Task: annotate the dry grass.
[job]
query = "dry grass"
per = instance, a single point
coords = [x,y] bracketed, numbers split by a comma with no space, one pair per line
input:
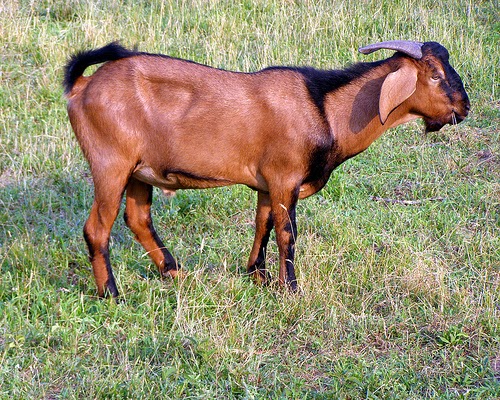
[398,299]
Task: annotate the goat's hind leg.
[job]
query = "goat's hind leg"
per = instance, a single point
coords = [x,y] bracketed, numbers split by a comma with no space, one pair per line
[97,230]
[263,225]
[139,196]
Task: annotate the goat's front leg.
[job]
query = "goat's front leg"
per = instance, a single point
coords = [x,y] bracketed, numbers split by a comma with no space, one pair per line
[283,206]
[263,224]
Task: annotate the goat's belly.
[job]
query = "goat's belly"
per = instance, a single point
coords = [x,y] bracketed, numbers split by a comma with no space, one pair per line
[170,181]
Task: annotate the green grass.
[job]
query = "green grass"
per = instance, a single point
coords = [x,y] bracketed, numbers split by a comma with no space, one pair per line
[396,301]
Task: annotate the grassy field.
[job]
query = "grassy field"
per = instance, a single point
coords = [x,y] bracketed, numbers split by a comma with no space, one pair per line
[398,301]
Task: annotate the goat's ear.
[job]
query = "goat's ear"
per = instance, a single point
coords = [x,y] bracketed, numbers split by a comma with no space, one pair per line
[397,87]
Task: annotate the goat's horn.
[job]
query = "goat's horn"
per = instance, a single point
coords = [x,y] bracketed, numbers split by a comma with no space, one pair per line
[413,49]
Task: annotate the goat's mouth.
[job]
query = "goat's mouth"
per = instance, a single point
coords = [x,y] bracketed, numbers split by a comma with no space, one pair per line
[435,125]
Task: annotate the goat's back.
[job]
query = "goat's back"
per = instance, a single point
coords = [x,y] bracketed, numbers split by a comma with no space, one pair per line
[172,114]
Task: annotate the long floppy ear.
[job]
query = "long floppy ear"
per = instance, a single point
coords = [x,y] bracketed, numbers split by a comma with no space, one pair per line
[397,87]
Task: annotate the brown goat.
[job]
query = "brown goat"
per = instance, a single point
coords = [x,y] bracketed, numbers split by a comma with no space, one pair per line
[145,120]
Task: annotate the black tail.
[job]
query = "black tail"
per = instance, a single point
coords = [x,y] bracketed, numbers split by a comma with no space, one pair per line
[82,60]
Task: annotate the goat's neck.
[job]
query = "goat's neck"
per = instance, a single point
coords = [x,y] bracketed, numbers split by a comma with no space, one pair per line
[353,113]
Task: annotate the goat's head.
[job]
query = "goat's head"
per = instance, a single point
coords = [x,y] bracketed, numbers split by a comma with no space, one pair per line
[433,88]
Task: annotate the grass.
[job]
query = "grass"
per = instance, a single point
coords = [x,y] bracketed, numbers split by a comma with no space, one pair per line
[397,301]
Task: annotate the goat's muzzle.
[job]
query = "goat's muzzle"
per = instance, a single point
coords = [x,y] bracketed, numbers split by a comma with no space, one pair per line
[456,116]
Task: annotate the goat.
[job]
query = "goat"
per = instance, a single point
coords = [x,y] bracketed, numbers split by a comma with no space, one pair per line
[145,120]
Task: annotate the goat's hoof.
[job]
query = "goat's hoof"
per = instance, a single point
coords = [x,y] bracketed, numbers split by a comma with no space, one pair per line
[287,288]
[109,289]
[261,277]
[177,274]
[294,290]
[292,286]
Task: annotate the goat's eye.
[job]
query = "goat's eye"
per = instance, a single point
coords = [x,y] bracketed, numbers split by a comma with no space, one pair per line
[435,78]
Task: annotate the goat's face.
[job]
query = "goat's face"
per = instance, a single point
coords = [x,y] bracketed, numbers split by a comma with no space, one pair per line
[442,98]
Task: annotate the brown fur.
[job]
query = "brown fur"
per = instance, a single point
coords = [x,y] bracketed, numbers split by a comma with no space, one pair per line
[148,120]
